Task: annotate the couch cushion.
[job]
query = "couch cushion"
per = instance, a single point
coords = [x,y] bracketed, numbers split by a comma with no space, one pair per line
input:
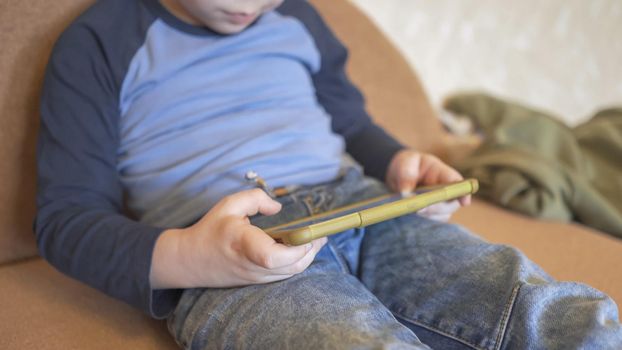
[43,309]
[27,31]
[569,252]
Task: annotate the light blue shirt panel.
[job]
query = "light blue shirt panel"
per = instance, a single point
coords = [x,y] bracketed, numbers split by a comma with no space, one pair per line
[198,112]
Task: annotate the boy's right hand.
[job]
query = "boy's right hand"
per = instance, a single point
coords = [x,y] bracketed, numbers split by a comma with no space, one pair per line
[224,250]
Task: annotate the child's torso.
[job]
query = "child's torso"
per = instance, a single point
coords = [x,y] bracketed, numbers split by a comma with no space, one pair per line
[199,111]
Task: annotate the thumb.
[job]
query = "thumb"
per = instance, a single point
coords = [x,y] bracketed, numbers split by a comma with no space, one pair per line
[262,250]
[250,202]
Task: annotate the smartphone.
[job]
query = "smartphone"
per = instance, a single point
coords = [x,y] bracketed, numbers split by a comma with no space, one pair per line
[368,212]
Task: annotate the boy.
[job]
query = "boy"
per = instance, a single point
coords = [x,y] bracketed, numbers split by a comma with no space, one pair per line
[172,102]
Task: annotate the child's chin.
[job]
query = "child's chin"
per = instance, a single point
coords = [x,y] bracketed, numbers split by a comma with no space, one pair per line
[228,29]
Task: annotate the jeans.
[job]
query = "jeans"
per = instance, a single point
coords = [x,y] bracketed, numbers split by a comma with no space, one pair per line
[407,283]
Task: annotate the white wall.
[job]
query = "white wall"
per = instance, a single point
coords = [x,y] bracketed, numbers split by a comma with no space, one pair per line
[564,56]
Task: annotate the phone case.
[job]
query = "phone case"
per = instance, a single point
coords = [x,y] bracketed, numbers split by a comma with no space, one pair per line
[370,216]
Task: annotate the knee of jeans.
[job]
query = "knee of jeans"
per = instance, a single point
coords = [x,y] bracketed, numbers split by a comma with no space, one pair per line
[513,261]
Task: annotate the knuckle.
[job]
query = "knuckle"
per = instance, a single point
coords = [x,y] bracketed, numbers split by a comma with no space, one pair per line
[300,266]
[266,260]
[256,194]
[235,198]
[228,201]
[429,156]
[436,159]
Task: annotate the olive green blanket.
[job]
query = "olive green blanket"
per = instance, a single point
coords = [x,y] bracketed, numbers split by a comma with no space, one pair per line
[532,163]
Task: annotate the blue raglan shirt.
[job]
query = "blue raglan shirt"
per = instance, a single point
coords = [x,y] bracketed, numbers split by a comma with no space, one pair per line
[146,122]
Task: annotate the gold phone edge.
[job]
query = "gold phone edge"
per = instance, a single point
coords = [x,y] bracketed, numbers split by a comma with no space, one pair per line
[315,231]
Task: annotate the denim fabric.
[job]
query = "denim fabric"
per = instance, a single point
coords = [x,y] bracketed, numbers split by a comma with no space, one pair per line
[408,283]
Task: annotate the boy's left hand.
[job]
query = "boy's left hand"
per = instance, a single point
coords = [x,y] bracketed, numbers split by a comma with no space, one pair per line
[409,169]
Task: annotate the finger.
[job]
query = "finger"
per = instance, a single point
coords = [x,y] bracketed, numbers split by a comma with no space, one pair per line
[464,201]
[263,251]
[250,202]
[441,218]
[407,175]
[300,265]
[443,208]
[448,174]
[392,177]
[435,171]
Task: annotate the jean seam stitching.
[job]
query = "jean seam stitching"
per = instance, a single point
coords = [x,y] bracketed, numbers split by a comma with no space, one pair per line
[340,260]
[436,330]
[306,200]
[505,319]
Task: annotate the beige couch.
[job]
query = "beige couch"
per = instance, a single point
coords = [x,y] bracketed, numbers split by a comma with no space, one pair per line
[42,309]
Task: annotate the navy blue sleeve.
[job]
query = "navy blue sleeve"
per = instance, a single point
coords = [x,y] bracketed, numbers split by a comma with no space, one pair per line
[80,225]
[368,143]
